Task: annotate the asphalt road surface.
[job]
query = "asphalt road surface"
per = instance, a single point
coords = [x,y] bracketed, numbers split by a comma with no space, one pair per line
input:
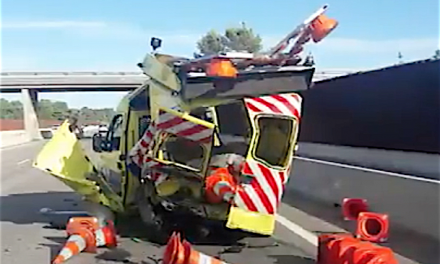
[27,237]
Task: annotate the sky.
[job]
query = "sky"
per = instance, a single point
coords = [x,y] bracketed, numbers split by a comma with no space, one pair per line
[114,35]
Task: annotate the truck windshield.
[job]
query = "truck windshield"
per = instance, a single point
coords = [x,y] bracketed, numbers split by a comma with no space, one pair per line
[275,139]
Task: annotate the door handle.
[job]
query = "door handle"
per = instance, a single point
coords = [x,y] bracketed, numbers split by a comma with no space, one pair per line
[122,157]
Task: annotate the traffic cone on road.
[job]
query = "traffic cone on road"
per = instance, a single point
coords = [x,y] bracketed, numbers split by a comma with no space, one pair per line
[196,257]
[82,240]
[81,231]
[174,251]
[177,252]
[337,247]
[372,227]
[106,236]
[352,207]
[367,252]
[325,242]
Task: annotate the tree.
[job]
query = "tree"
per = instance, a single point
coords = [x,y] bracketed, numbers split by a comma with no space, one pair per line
[55,110]
[237,39]
[437,54]
[210,43]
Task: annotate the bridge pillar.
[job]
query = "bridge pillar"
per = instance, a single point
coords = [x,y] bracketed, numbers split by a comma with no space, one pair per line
[30,103]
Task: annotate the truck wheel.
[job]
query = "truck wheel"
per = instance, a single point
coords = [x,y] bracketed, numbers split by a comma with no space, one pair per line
[155,226]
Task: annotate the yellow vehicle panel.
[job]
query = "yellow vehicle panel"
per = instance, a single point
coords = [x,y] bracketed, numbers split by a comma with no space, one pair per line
[64,158]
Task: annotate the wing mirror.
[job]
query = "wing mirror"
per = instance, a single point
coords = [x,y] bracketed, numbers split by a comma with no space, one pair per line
[97,142]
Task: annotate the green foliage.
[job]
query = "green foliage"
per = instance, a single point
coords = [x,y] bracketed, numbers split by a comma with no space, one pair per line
[237,39]
[11,110]
[437,54]
[55,110]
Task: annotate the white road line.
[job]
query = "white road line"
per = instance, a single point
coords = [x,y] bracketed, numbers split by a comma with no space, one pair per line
[18,145]
[346,166]
[23,161]
[298,230]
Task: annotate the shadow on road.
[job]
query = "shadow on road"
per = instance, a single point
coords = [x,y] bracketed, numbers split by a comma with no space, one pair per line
[287,259]
[404,242]
[24,208]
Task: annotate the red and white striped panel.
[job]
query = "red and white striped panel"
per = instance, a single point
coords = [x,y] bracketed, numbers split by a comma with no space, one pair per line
[140,149]
[282,104]
[183,128]
[263,194]
[153,173]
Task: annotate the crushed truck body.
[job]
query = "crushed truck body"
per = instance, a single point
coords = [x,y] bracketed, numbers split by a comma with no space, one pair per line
[210,138]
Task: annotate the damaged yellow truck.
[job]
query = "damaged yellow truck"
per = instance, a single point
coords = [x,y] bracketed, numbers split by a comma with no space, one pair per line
[236,113]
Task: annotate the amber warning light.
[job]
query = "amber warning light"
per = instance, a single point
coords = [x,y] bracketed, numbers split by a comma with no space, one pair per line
[221,68]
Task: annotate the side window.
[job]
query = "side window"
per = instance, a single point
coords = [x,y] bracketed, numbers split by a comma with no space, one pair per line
[114,133]
[144,123]
[274,142]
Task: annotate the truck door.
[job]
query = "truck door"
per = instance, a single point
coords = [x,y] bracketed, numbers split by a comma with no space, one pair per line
[185,142]
[65,158]
[110,164]
[274,121]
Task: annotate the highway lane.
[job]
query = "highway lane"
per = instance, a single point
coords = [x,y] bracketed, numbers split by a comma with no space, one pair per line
[26,237]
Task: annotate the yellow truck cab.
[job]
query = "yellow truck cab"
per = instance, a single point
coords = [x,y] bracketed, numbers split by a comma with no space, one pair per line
[186,119]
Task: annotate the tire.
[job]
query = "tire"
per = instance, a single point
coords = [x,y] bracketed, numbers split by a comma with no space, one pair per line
[157,232]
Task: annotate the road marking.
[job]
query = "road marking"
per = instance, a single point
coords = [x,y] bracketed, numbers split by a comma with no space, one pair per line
[393,174]
[303,233]
[19,145]
[23,161]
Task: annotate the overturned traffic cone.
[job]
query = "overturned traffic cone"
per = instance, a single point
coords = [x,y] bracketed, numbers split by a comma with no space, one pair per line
[106,236]
[373,227]
[340,247]
[177,252]
[219,186]
[352,207]
[368,252]
[382,257]
[81,231]
[321,27]
[325,242]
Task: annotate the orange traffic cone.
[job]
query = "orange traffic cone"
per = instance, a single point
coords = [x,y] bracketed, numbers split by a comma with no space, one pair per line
[352,207]
[372,227]
[321,27]
[81,231]
[367,252]
[342,252]
[383,257]
[174,251]
[324,253]
[196,257]
[219,186]
[177,252]
[106,236]
[337,245]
